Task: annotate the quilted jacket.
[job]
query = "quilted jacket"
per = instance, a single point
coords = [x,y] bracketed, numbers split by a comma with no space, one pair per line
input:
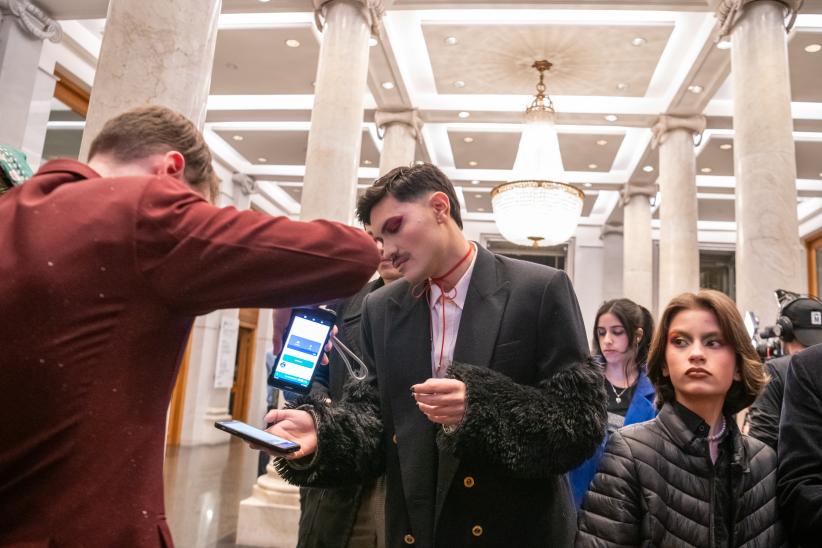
[654,487]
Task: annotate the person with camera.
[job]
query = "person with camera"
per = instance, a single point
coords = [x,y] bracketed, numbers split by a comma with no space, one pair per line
[798,327]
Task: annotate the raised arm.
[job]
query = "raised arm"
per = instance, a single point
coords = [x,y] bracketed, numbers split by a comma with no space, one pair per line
[200,258]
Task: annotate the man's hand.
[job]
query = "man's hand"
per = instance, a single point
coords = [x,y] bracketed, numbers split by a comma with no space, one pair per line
[294,425]
[329,346]
[442,400]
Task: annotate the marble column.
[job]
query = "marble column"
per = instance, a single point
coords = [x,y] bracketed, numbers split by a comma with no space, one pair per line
[678,215]
[333,155]
[26,88]
[637,256]
[152,54]
[612,246]
[768,248]
[401,132]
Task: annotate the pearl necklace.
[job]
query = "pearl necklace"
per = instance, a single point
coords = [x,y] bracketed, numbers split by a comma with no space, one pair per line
[721,434]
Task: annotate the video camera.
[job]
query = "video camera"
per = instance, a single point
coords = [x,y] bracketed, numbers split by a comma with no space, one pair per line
[799,319]
[765,341]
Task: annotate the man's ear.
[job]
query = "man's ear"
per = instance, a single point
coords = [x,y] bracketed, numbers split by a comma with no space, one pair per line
[174,164]
[441,204]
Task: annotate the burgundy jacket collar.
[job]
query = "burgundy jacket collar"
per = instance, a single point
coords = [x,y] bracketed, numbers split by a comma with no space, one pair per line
[65,165]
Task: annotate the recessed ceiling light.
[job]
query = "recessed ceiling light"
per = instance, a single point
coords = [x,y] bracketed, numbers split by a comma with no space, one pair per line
[459,84]
[480,209]
[622,86]
[647,169]
[602,142]
[638,41]
[706,170]
[724,44]
[695,88]
[820,173]
[264,1]
[451,40]
[611,117]
[726,146]
[468,139]
[366,162]
[237,137]
[388,85]
[477,195]
[592,166]
[262,160]
[587,185]
[472,163]
[476,182]
[372,42]
[464,114]
[292,43]
[419,163]
[813,48]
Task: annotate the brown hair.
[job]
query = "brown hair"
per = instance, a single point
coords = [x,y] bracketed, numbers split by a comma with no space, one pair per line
[143,131]
[742,393]
[406,184]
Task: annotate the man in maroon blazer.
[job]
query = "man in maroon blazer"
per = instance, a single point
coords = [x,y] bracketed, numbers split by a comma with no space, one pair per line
[103,268]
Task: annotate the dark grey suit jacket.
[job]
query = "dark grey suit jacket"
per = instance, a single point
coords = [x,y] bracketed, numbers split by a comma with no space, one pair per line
[520,320]
[536,409]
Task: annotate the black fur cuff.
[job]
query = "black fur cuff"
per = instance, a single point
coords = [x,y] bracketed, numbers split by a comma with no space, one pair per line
[349,440]
[529,431]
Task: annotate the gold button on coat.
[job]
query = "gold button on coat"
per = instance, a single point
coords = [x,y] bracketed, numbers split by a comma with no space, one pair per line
[476,530]
[409,539]
[468,482]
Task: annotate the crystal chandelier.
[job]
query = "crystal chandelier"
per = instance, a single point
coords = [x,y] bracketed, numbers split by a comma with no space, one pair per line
[534,209]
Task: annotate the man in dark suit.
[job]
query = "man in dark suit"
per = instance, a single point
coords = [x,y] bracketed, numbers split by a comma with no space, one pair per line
[104,268]
[480,396]
[799,480]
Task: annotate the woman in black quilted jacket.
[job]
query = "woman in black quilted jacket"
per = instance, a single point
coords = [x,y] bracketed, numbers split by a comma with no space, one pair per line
[689,477]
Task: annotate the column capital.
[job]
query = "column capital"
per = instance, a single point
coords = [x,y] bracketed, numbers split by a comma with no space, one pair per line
[636,189]
[32,19]
[246,183]
[610,229]
[728,13]
[410,118]
[666,122]
[372,11]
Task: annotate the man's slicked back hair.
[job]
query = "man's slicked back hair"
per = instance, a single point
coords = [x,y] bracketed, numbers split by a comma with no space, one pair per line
[143,131]
[407,184]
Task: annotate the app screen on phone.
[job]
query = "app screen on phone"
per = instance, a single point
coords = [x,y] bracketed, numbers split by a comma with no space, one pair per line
[302,351]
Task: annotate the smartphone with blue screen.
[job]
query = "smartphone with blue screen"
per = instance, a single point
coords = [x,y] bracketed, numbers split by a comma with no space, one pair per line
[303,343]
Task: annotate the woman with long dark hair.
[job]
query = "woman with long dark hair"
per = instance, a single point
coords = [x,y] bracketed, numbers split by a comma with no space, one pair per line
[620,342]
[689,477]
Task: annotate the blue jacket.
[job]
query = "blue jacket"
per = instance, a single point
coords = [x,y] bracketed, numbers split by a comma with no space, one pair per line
[641,409]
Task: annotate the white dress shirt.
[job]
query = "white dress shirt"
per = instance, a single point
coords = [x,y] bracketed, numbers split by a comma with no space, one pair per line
[442,343]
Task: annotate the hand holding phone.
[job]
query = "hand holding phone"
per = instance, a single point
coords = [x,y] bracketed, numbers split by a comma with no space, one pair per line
[304,341]
[296,425]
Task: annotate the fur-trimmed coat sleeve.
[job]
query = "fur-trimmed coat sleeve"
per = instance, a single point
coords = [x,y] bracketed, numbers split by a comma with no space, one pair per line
[529,431]
[349,440]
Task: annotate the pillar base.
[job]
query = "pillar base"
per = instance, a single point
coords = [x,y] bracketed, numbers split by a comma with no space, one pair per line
[271,515]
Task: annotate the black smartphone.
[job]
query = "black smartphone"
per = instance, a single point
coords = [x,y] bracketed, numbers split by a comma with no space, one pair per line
[303,343]
[257,436]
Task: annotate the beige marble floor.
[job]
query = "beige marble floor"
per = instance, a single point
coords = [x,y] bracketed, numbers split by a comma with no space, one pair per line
[203,488]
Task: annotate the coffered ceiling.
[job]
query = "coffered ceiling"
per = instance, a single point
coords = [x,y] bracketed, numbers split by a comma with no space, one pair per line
[616,66]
